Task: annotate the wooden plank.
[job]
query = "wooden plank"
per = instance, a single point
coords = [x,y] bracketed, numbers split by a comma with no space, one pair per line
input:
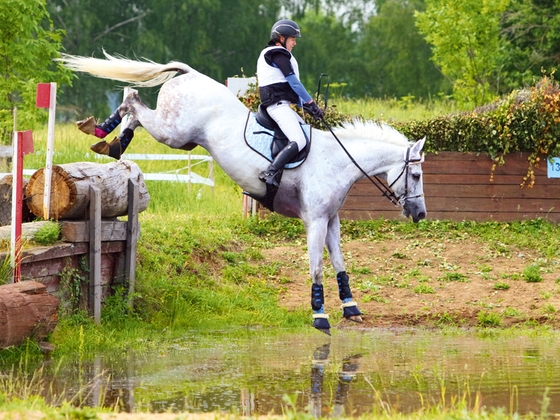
[95,252]
[508,204]
[487,190]
[457,216]
[132,235]
[78,231]
[453,162]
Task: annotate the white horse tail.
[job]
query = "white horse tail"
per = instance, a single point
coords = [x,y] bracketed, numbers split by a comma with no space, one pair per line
[139,73]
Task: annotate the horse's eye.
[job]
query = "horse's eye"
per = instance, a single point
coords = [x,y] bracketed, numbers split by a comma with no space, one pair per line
[416,177]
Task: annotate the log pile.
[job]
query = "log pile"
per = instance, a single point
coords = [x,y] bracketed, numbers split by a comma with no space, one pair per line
[70,189]
[26,310]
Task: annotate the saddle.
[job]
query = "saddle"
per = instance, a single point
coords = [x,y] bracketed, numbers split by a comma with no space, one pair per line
[265,137]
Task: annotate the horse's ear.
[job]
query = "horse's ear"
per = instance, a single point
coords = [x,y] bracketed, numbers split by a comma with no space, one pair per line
[417,148]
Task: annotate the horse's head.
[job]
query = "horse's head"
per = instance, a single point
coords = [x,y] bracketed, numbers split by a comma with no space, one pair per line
[406,182]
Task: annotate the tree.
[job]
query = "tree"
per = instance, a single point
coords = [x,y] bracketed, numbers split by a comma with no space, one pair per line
[530,32]
[396,56]
[28,44]
[466,46]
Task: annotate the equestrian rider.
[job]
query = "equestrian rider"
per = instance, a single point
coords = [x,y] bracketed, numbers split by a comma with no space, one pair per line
[279,86]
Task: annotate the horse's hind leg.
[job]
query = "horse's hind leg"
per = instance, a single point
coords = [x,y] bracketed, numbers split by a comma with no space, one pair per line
[119,144]
[350,309]
[116,148]
[101,130]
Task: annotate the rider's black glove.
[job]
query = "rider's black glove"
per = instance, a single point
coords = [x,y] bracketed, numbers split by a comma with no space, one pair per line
[314,110]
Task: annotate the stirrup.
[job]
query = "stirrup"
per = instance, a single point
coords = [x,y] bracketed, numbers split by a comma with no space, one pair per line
[269,177]
[112,149]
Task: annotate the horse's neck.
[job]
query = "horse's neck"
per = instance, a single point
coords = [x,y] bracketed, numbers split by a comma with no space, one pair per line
[375,158]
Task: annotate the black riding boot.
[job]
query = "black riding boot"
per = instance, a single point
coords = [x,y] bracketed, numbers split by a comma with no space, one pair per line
[269,176]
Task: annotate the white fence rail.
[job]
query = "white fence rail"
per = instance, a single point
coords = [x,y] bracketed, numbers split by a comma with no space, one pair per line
[172,175]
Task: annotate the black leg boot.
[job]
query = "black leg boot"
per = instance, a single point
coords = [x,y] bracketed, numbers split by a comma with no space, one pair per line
[275,168]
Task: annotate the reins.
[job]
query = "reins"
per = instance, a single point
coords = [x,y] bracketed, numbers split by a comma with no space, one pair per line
[386,191]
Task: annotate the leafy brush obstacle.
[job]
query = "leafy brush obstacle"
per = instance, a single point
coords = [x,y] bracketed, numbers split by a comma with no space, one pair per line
[526,120]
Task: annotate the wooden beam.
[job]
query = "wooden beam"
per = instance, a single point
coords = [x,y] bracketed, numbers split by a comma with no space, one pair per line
[95,252]
[132,236]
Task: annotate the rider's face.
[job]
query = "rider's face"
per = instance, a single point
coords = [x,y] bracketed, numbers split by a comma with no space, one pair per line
[290,43]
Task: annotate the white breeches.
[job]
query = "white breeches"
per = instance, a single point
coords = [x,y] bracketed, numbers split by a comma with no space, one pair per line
[289,122]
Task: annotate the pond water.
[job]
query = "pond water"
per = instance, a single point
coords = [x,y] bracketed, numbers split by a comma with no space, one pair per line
[353,372]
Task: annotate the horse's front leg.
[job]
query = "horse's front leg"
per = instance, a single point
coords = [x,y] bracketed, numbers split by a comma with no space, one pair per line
[350,309]
[316,232]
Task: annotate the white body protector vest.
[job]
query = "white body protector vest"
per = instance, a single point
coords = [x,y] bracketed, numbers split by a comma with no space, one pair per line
[269,74]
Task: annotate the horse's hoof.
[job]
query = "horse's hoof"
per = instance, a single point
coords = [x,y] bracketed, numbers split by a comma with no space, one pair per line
[351,312]
[356,318]
[101,148]
[87,126]
[321,322]
[112,149]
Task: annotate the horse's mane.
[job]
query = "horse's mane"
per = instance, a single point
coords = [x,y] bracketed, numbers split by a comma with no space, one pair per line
[370,130]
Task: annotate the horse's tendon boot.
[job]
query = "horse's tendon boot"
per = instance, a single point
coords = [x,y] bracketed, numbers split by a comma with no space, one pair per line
[321,322]
[350,309]
[112,149]
[87,126]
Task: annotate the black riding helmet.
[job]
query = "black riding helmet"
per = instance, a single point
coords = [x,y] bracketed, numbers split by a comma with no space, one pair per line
[284,28]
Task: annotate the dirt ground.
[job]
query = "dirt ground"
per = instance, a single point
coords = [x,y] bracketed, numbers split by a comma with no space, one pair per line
[423,282]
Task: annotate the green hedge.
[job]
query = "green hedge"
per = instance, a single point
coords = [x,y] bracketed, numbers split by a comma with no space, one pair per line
[527,120]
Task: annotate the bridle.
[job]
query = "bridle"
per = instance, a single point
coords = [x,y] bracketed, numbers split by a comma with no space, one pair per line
[407,162]
[386,191]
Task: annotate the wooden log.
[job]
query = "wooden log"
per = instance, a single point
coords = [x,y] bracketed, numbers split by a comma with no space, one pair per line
[26,310]
[6,201]
[70,189]
[28,230]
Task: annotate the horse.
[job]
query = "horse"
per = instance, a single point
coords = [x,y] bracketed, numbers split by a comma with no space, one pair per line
[195,110]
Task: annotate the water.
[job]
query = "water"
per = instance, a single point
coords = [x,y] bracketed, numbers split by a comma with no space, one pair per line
[353,372]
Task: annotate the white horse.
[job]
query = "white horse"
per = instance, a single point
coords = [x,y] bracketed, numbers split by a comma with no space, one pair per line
[195,110]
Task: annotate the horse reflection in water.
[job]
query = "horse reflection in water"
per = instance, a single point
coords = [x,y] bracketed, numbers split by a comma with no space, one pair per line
[347,374]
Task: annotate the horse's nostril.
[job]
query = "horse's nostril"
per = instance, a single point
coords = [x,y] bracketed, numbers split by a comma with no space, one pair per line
[421,215]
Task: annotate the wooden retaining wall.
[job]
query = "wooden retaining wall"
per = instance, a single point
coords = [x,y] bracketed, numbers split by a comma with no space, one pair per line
[457,187]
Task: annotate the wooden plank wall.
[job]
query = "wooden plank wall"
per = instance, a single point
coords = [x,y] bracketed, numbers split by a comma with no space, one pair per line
[457,187]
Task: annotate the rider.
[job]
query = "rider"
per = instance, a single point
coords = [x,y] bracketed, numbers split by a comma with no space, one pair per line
[279,86]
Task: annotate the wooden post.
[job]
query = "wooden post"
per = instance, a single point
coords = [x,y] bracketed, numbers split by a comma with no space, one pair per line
[22,144]
[46,98]
[131,235]
[95,252]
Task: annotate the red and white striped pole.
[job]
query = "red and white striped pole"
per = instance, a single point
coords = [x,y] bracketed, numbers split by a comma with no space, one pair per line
[22,145]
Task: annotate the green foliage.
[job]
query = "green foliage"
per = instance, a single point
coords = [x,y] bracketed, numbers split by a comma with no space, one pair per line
[489,319]
[465,43]
[28,43]
[48,234]
[6,271]
[72,281]
[501,286]
[454,277]
[532,273]
[423,289]
[524,121]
